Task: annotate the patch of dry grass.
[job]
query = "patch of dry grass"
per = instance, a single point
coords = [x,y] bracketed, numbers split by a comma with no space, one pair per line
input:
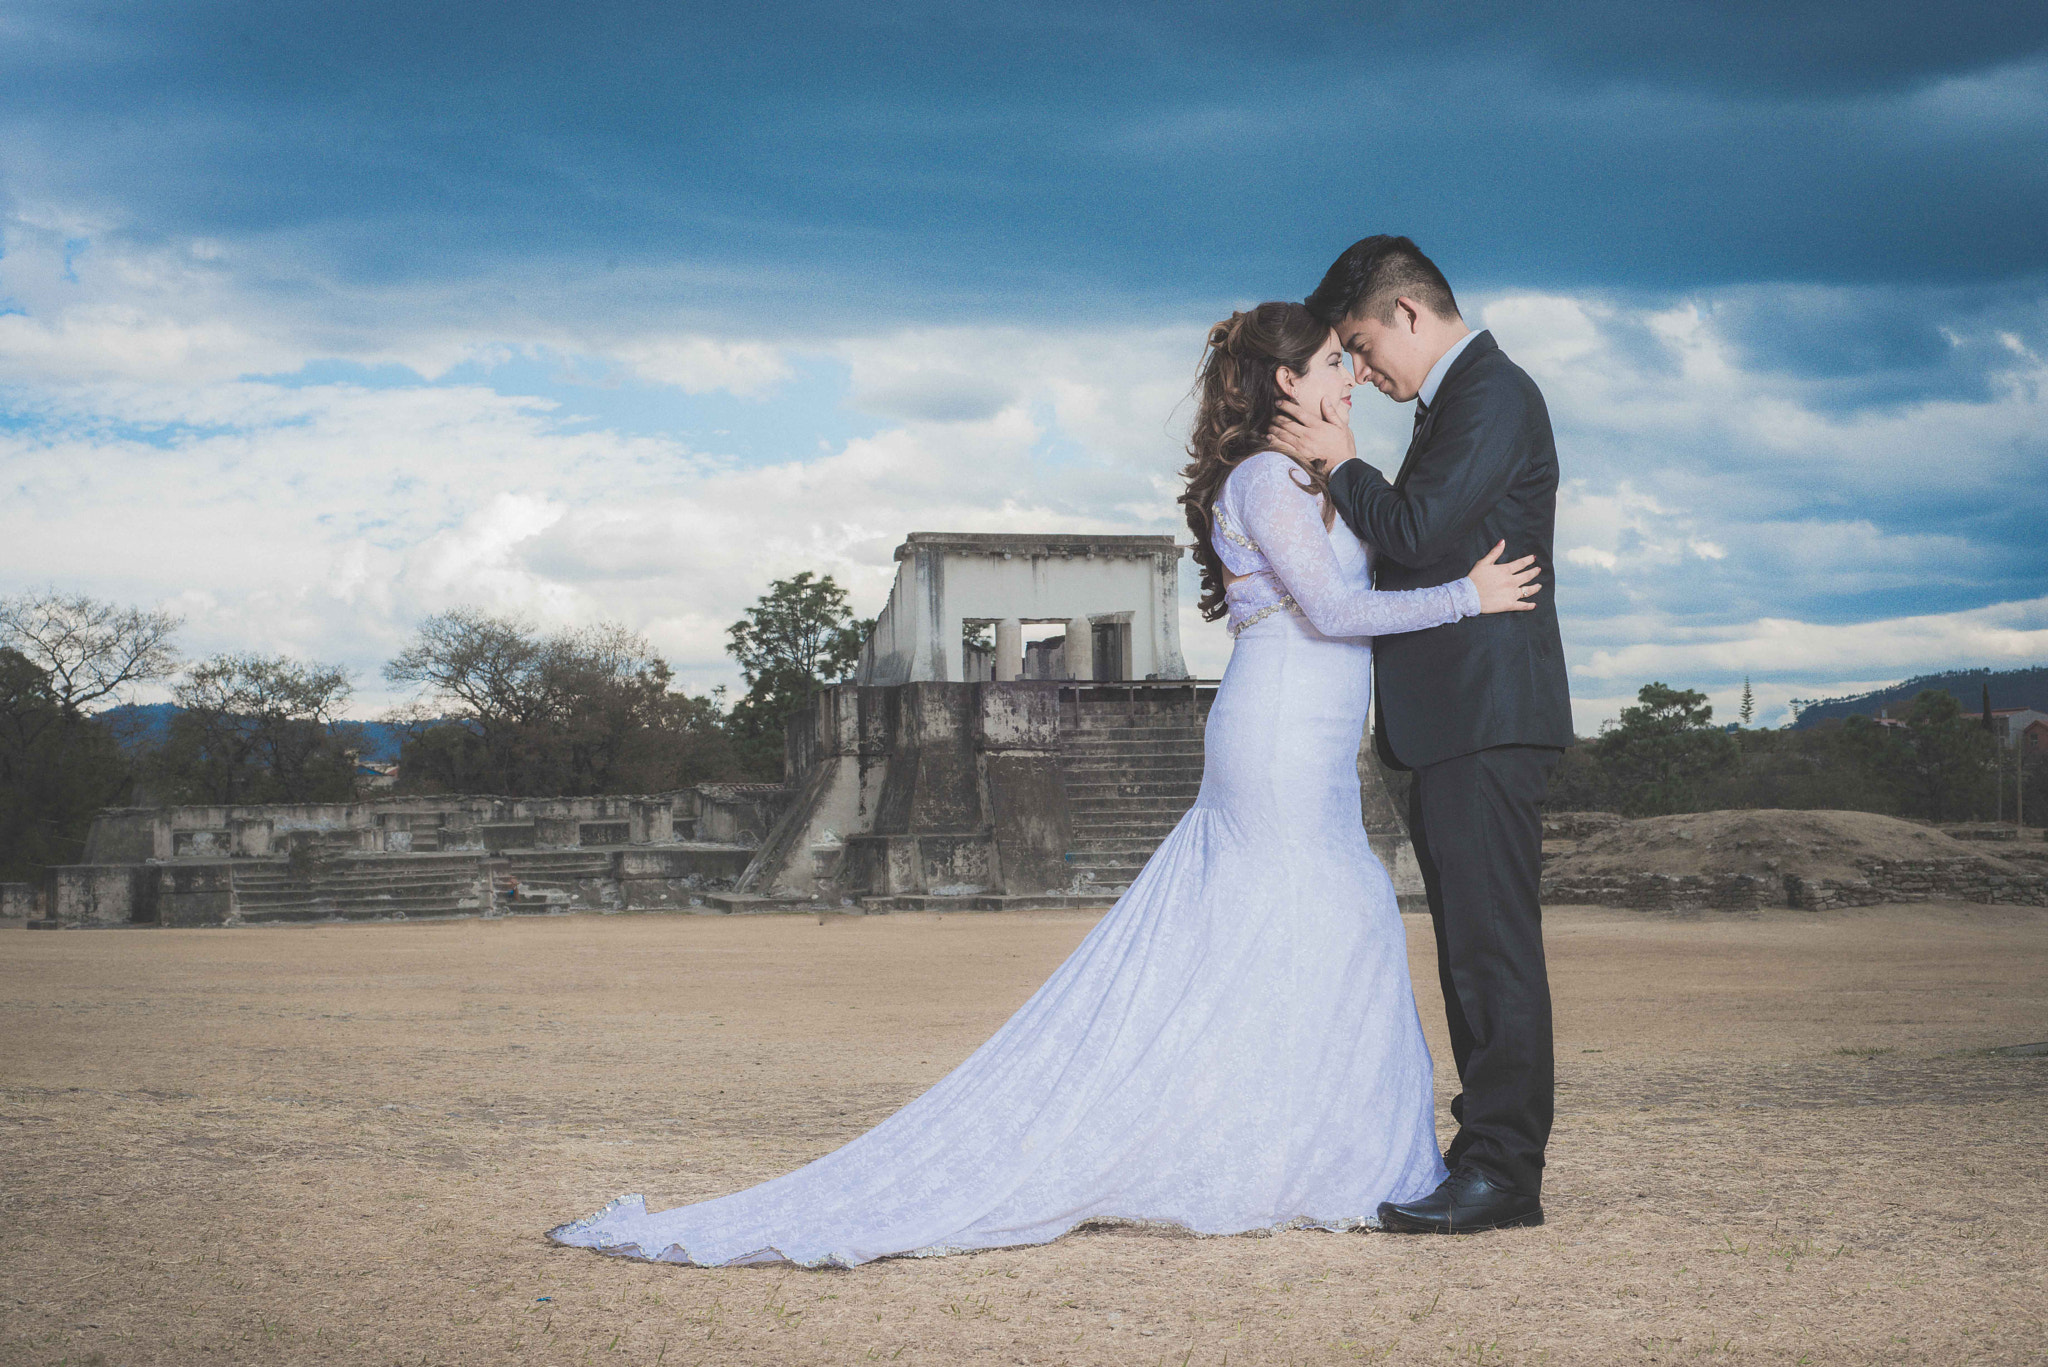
[1782,1138]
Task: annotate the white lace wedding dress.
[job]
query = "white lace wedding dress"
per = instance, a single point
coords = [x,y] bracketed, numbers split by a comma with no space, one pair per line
[1234,1047]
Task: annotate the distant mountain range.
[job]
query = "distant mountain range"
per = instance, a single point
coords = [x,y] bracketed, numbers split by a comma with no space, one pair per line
[141,725]
[2026,687]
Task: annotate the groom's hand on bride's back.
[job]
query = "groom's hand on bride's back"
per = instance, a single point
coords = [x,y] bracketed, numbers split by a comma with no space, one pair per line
[1321,439]
[1506,586]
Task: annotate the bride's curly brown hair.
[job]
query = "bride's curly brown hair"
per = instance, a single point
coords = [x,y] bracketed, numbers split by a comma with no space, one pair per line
[1240,394]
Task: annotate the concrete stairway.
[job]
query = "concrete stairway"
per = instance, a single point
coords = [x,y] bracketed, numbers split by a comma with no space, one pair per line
[358,888]
[1132,764]
[559,880]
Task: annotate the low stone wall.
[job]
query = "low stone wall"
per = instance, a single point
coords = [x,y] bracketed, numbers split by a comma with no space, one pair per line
[1662,892]
[1959,880]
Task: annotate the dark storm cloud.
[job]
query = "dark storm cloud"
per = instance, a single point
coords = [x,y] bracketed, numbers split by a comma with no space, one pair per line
[1051,159]
[1867,347]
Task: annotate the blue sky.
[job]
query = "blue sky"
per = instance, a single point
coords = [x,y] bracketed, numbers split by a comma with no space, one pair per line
[314,319]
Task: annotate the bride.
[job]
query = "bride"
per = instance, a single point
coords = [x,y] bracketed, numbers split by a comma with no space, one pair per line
[1235,1045]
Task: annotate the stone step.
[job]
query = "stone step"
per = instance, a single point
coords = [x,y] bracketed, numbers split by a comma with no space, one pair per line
[1080,765]
[1107,826]
[423,878]
[1164,783]
[304,896]
[447,888]
[1108,890]
[1104,734]
[1122,871]
[1143,792]
[361,911]
[1091,846]
[1087,840]
[1090,900]
[1135,804]
[1145,708]
[747,903]
[372,906]
[598,865]
[1133,755]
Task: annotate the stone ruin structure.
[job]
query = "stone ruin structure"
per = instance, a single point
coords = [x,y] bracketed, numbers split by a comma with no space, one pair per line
[946,775]
[402,857]
[1116,600]
[942,777]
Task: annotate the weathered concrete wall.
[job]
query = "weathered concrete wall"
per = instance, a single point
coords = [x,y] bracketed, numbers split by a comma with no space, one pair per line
[739,813]
[946,579]
[948,789]
[124,837]
[1018,744]
[399,825]
[835,757]
[400,856]
[102,894]
[196,895]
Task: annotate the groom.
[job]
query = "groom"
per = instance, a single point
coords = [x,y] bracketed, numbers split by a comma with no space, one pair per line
[1477,709]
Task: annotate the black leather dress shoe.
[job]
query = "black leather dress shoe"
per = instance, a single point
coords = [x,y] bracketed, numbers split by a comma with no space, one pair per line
[1465,1203]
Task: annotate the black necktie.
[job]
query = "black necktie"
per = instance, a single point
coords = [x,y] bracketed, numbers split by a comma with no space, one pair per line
[1421,412]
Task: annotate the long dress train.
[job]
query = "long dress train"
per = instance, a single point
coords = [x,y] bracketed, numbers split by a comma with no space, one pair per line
[1234,1046]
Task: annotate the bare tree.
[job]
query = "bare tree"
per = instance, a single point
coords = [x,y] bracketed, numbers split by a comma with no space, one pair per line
[91,651]
[503,708]
[259,720]
[476,667]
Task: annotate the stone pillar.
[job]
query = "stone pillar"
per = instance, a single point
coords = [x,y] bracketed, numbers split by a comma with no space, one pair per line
[1009,650]
[1080,649]
[653,821]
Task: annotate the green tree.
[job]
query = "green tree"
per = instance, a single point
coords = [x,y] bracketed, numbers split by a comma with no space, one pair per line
[1747,713]
[797,636]
[1663,753]
[1948,769]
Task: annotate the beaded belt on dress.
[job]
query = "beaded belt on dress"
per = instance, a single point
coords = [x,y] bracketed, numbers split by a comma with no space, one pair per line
[1286,604]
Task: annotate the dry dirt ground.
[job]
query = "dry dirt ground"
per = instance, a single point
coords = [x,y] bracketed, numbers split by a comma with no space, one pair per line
[1782,1138]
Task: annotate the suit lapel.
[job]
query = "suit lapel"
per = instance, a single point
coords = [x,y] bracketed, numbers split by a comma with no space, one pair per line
[1415,444]
[1482,343]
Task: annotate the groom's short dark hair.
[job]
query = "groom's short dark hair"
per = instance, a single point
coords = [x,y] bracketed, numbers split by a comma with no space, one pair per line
[1375,271]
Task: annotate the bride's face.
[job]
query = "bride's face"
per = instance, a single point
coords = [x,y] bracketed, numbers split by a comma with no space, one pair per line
[1325,387]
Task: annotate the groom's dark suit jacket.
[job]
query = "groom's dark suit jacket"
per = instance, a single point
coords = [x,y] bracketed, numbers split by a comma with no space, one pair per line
[1482,468]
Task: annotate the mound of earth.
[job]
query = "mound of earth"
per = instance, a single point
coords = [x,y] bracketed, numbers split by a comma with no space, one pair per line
[1746,859]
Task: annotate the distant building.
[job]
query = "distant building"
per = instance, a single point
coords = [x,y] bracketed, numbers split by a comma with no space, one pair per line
[373,773]
[2010,724]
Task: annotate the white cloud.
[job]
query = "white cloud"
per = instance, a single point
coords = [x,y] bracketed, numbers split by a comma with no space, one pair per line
[1713,521]
[698,365]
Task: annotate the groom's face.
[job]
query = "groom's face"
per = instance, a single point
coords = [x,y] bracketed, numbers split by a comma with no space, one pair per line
[1390,356]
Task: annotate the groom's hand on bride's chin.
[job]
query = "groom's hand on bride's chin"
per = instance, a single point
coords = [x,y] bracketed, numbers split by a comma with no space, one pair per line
[1321,440]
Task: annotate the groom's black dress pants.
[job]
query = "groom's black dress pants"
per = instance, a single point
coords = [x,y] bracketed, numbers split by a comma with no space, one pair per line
[1477,824]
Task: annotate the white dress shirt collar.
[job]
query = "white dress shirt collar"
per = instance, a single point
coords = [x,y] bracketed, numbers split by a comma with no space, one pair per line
[1427,394]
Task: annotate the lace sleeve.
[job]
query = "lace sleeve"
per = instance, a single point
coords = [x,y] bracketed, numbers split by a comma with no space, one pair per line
[1283,519]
